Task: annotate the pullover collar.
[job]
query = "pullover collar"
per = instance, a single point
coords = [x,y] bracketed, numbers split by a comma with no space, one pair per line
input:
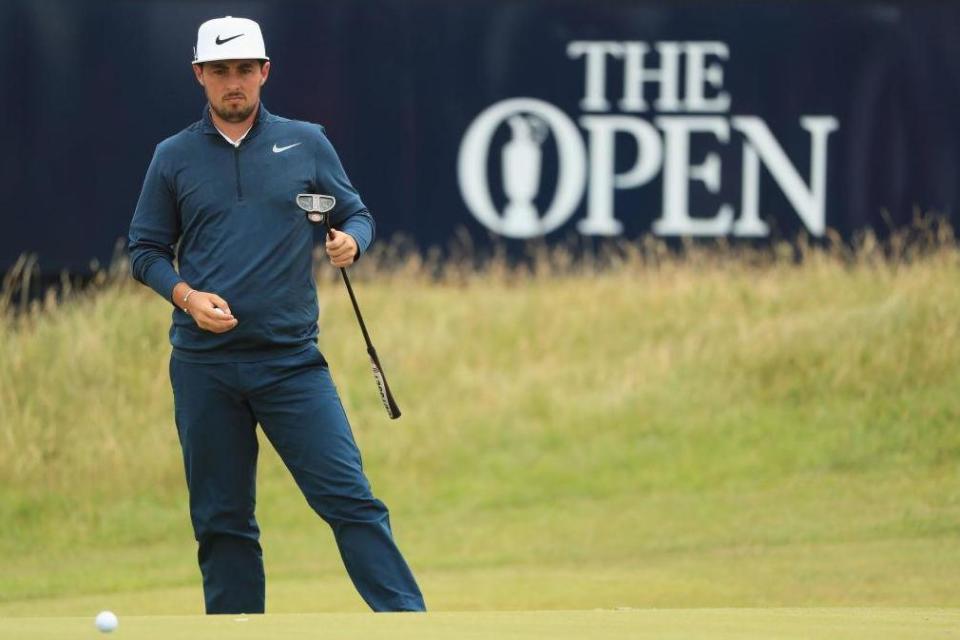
[211,129]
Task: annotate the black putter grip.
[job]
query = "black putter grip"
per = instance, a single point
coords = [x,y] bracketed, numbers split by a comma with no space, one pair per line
[388,402]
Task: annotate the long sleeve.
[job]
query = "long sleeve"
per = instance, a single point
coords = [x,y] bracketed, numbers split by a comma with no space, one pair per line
[350,215]
[154,232]
[360,225]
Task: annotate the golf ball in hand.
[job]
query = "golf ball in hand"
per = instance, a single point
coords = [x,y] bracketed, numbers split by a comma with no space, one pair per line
[218,310]
[106,621]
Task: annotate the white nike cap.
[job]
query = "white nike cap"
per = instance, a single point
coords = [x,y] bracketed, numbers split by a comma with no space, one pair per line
[229,38]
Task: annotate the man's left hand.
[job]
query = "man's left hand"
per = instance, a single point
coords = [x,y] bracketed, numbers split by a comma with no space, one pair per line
[341,248]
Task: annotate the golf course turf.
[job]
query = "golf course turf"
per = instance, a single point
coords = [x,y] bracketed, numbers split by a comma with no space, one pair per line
[722,445]
[657,624]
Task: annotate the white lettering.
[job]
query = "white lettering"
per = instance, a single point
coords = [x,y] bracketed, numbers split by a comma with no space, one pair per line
[688,78]
[700,75]
[603,177]
[635,76]
[809,202]
[749,224]
[677,174]
[595,81]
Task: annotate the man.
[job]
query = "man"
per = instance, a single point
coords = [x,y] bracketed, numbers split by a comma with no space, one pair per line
[245,324]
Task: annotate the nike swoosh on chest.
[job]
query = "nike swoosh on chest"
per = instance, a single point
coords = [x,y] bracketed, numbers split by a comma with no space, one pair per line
[277,149]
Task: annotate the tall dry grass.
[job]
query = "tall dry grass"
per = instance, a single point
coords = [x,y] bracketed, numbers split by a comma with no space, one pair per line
[84,388]
[594,405]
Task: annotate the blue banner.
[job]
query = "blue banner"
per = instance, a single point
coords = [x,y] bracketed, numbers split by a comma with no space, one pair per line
[511,119]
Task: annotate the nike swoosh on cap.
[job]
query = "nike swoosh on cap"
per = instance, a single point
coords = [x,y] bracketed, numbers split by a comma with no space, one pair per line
[277,149]
[224,40]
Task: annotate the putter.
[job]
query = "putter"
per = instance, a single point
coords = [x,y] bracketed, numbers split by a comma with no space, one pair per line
[317,207]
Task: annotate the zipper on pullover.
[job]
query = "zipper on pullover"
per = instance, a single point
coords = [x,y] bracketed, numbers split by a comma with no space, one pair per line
[236,165]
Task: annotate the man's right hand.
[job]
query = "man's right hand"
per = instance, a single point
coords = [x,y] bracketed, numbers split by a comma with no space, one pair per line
[208,310]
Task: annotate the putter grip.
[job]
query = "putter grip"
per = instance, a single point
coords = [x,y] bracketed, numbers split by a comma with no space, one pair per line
[385,395]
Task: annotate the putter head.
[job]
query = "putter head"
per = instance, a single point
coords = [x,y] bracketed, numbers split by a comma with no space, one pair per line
[316,205]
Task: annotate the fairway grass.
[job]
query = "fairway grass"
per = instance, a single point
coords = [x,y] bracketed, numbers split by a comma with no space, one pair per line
[856,573]
[704,431]
[676,624]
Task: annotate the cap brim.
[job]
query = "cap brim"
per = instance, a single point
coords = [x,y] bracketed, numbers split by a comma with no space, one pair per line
[216,58]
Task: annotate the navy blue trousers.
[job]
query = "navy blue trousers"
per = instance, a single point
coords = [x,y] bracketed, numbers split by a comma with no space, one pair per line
[217,408]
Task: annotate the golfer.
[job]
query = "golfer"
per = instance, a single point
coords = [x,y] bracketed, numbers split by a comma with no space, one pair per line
[220,198]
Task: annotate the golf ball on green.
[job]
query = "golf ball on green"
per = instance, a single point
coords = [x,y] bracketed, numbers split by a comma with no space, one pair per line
[106,621]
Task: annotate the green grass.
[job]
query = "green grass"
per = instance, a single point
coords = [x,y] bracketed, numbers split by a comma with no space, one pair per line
[676,624]
[722,429]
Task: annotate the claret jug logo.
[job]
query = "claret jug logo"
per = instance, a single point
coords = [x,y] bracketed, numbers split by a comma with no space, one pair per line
[585,155]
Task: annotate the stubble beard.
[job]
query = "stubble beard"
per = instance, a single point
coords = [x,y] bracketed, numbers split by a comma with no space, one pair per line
[233,113]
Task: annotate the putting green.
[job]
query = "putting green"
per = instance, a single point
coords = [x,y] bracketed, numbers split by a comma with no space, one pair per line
[662,624]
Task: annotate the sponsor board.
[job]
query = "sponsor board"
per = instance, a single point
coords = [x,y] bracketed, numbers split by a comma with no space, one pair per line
[509,120]
[689,101]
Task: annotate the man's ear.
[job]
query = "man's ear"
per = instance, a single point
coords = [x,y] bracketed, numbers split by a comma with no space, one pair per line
[264,73]
[198,72]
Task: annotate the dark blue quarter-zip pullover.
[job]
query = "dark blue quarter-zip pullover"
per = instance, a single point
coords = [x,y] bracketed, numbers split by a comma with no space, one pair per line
[229,216]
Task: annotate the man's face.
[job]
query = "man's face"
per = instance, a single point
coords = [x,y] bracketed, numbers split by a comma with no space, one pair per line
[232,86]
